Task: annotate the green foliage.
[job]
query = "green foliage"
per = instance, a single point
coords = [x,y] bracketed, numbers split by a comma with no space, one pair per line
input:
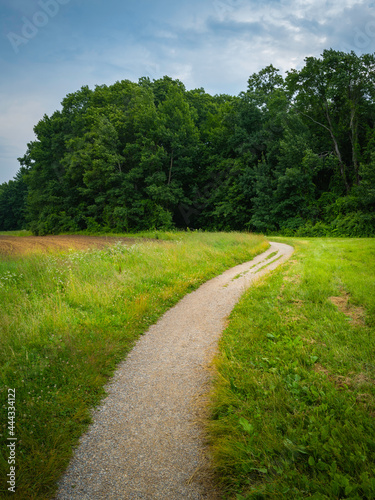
[294,399]
[12,203]
[366,189]
[134,156]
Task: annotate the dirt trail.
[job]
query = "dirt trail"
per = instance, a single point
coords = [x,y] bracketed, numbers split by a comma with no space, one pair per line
[146,440]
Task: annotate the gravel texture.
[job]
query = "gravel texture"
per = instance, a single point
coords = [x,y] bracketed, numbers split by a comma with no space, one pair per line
[146,440]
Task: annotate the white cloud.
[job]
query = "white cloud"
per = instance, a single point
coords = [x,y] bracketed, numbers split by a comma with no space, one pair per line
[216,45]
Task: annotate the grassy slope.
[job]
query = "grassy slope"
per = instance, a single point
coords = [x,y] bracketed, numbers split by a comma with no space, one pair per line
[294,402]
[66,320]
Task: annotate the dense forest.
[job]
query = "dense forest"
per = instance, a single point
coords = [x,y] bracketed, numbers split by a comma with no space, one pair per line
[292,154]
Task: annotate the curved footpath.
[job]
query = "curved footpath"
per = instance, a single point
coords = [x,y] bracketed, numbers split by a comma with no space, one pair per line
[146,440]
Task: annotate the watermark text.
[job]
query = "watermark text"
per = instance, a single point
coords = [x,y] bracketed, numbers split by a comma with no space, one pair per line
[11,440]
[30,27]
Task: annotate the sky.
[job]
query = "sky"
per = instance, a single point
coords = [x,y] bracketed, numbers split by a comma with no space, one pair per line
[49,48]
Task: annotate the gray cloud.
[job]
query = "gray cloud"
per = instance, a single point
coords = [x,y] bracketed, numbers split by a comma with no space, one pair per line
[216,45]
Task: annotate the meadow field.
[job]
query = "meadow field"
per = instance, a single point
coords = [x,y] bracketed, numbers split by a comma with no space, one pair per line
[293,403]
[293,408]
[22,243]
[67,318]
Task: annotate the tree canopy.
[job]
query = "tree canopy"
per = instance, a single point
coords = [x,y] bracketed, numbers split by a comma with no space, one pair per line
[292,154]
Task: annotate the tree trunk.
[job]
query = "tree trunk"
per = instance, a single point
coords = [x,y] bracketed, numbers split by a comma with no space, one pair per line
[336,146]
[337,149]
[354,141]
[170,170]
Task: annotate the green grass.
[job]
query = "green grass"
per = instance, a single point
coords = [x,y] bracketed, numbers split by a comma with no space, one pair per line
[21,232]
[293,409]
[67,320]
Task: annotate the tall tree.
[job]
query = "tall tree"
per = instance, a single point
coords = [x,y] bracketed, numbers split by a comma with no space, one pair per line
[334,93]
[13,196]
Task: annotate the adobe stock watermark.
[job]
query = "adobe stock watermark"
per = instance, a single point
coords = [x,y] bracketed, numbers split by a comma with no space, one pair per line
[11,440]
[362,37]
[31,27]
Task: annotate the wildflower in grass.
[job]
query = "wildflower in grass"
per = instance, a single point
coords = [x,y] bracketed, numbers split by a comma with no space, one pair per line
[9,278]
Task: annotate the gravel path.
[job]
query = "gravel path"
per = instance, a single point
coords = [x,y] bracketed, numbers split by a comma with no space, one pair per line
[146,440]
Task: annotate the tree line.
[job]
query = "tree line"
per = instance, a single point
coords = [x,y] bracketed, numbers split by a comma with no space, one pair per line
[292,154]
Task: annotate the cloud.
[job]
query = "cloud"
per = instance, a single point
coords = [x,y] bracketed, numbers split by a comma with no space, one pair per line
[17,119]
[216,45]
